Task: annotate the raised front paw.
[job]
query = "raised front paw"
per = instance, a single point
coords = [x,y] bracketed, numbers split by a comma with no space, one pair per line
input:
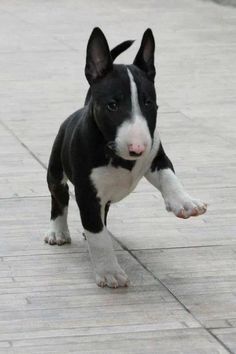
[112,279]
[183,206]
[57,238]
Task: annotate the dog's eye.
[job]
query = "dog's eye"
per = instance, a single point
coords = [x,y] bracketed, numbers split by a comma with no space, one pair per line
[148,103]
[112,106]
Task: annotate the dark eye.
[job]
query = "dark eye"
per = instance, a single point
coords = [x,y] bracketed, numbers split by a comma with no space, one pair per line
[112,106]
[148,103]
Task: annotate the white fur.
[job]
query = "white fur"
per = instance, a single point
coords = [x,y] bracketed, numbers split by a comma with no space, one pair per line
[176,199]
[135,130]
[64,179]
[115,183]
[106,268]
[112,183]
[59,232]
[60,223]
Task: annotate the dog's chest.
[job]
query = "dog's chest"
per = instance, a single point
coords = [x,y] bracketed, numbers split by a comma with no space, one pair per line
[114,183]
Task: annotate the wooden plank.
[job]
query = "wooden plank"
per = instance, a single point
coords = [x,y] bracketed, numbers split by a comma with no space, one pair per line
[48,300]
[202,278]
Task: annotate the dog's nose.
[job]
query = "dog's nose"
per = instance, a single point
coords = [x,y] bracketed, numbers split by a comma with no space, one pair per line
[136,149]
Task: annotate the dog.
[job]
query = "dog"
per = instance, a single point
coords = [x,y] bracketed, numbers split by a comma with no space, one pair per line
[106,147]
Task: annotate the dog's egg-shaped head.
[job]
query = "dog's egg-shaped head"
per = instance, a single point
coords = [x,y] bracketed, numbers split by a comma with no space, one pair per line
[123,97]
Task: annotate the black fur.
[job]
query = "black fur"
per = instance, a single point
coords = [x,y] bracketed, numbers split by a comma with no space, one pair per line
[115,52]
[161,161]
[145,57]
[86,139]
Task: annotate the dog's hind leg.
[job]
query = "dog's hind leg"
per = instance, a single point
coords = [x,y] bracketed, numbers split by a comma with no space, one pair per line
[58,232]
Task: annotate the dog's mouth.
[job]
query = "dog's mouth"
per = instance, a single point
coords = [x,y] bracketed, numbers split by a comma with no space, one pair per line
[135,154]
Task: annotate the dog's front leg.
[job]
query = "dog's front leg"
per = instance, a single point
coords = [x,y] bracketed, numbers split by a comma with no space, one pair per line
[161,174]
[106,268]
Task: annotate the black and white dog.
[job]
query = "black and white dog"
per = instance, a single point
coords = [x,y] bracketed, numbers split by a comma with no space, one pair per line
[106,147]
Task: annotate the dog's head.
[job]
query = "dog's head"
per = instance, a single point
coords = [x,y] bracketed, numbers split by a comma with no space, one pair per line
[123,96]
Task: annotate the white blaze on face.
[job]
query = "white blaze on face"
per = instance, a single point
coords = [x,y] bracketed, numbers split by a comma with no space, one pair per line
[134,132]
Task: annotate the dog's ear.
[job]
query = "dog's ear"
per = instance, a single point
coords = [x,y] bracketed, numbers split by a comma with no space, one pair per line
[98,60]
[120,48]
[145,57]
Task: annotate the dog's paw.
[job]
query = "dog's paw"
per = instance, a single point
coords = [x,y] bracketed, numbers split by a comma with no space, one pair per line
[57,238]
[184,206]
[114,279]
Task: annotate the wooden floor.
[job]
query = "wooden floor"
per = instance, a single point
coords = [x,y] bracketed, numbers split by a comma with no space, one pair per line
[182,297]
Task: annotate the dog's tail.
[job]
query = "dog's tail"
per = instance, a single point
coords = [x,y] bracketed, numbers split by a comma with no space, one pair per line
[120,48]
[115,52]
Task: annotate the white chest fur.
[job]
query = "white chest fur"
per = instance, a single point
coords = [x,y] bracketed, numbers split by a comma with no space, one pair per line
[115,183]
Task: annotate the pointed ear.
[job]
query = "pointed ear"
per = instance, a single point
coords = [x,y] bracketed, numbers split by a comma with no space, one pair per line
[145,57]
[98,60]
